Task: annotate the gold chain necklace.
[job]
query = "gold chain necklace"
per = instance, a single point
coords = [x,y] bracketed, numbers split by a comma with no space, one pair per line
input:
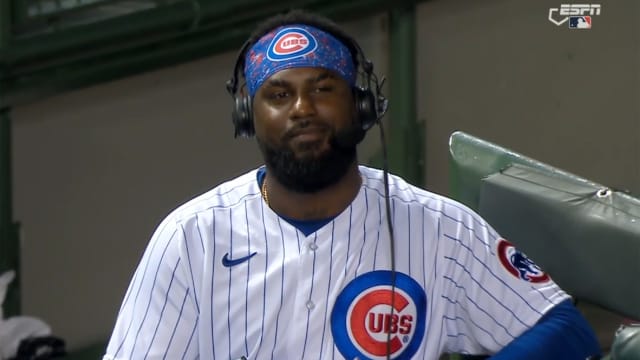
[265,194]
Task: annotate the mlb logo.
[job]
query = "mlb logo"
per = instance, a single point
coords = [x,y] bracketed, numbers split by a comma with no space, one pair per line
[580,22]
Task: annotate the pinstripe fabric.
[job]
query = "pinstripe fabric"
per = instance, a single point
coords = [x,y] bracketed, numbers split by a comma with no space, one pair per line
[183,303]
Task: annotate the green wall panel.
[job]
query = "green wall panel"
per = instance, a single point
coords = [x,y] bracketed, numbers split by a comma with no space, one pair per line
[37,66]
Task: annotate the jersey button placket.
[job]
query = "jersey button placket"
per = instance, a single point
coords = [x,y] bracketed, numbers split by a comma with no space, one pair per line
[313,247]
[310,305]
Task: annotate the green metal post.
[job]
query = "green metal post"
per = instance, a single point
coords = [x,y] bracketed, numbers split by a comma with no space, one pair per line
[5,23]
[406,145]
[9,249]
[9,257]
[8,245]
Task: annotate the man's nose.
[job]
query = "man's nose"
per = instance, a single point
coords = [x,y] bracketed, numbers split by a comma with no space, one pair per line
[303,106]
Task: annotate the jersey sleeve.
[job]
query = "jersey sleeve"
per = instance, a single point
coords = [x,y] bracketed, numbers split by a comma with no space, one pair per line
[494,291]
[158,316]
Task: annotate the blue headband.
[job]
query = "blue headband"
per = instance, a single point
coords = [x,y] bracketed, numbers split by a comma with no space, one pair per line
[293,46]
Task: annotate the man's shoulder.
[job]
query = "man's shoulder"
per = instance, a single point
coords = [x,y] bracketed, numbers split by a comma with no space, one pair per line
[403,191]
[399,188]
[225,195]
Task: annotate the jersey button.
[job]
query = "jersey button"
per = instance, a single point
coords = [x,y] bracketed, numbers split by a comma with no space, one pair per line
[313,246]
[310,305]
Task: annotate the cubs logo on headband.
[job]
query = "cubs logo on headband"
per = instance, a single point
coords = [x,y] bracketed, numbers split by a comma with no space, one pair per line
[294,46]
[364,317]
[518,264]
[290,43]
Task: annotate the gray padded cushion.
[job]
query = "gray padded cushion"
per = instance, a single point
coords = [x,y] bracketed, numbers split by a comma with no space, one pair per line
[626,345]
[590,245]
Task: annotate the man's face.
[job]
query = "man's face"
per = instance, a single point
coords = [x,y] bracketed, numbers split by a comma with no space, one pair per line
[298,113]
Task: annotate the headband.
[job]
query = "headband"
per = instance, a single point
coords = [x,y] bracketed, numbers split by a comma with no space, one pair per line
[294,46]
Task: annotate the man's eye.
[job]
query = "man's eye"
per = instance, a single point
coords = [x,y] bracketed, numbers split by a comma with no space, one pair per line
[279,95]
[324,88]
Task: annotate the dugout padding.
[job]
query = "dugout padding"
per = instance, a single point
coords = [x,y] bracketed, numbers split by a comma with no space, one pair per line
[586,236]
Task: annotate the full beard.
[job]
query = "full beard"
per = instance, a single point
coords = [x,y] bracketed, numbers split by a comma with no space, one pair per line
[308,174]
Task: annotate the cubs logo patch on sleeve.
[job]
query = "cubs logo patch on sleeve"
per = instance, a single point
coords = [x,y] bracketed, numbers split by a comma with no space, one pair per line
[362,319]
[518,264]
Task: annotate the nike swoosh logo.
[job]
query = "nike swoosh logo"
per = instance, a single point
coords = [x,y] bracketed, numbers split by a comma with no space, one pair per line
[232,262]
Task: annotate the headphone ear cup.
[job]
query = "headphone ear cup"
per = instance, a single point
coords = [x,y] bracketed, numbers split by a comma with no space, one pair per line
[242,117]
[365,103]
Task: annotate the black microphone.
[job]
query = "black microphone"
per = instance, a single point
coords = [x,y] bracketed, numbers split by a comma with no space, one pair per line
[349,137]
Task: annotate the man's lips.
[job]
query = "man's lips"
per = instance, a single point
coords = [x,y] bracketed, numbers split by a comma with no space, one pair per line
[307,133]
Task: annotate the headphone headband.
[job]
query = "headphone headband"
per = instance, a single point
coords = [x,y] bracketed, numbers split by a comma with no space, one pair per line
[232,83]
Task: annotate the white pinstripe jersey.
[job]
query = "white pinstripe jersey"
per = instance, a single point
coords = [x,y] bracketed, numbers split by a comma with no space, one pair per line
[184,303]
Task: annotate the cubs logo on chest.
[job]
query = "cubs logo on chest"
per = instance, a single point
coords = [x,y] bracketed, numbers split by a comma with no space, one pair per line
[370,318]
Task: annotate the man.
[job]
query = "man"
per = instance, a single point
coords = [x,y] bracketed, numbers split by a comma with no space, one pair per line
[294,260]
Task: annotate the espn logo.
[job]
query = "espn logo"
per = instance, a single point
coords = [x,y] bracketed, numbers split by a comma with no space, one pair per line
[578,15]
[579,9]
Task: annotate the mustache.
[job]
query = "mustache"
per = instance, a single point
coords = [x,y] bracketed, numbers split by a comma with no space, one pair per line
[305,126]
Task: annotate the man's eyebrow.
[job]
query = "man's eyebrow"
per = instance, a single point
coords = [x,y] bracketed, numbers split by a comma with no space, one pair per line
[323,76]
[285,84]
[277,83]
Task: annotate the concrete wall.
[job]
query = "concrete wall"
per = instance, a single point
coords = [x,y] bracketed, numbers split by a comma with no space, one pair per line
[95,170]
[500,70]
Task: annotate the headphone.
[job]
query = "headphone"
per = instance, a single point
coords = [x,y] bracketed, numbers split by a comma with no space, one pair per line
[370,103]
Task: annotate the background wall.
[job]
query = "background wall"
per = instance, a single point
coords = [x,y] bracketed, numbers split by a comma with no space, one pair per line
[500,70]
[96,170]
